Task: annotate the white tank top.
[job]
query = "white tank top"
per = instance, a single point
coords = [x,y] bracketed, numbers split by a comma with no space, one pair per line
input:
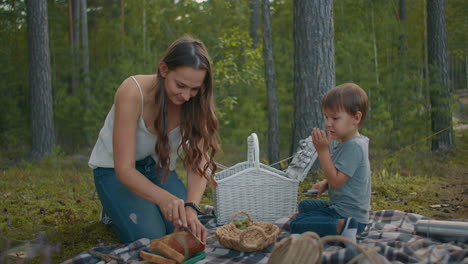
[102,154]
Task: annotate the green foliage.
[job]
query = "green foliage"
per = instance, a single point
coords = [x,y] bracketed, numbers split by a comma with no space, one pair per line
[283,55]
[119,46]
[14,102]
[238,73]
[58,192]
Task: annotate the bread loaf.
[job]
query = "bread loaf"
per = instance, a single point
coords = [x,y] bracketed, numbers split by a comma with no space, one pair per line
[155,258]
[178,246]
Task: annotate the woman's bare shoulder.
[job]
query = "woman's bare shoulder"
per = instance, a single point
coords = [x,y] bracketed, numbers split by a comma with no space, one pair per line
[128,89]
[146,81]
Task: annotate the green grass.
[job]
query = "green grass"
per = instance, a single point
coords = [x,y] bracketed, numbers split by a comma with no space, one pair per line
[55,200]
[52,204]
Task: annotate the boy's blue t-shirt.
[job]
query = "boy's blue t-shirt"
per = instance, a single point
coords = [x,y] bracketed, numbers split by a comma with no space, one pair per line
[353,198]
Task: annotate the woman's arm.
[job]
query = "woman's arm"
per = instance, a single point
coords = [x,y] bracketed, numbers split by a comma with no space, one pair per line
[127,113]
[196,185]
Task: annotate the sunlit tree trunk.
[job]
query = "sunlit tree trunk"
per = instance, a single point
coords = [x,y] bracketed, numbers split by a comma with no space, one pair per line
[440,94]
[314,65]
[40,87]
[272,103]
[254,22]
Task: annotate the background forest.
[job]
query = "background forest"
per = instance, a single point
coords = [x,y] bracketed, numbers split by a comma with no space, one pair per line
[375,46]
[417,96]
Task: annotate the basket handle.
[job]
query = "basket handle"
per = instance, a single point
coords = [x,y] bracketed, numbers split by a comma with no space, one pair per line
[239,213]
[253,151]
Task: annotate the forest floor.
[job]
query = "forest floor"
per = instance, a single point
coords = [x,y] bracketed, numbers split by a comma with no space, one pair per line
[50,209]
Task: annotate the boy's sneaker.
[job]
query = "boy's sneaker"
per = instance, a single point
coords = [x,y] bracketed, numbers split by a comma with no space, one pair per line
[349,230]
[103,217]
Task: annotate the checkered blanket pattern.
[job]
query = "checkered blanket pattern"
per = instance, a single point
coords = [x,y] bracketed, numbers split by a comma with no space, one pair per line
[392,231]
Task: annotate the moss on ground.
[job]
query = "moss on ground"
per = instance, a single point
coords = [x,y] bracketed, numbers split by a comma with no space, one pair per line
[53,203]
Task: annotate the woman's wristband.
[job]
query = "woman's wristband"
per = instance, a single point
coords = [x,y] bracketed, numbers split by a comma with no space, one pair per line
[194,207]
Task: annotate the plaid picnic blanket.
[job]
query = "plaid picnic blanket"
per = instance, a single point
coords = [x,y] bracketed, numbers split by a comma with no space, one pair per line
[392,231]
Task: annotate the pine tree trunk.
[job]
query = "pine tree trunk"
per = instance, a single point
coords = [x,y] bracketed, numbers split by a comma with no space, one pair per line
[75,44]
[402,38]
[314,66]
[84,43]
[144,30]
[440,92]
[40,87]
[122,26]
[374,39]
[254,22]
[272,103]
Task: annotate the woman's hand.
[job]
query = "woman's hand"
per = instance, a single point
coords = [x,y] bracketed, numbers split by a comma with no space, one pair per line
[173,210]
[194,224]
[321,187]
[321,139]
[183,217]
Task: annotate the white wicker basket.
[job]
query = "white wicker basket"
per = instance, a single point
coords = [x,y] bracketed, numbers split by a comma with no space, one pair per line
[263,191]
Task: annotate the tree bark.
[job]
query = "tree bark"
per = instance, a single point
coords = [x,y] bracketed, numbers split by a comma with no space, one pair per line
[84,44]
[74,45]
[402,38]
[144,30]
[122,26]
[272,103]
[254,22]
[70,22]
[314,66]
[374,39]
[40,87]
[441,114]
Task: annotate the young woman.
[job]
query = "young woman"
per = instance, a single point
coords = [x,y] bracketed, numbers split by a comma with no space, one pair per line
[154,120]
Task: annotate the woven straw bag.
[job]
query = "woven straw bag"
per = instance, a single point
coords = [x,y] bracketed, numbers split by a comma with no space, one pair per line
[257,236]
[308,248]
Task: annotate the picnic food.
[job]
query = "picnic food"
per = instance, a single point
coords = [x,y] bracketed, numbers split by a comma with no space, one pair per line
[178,246]
[242,224]
[255,236]
[155,258]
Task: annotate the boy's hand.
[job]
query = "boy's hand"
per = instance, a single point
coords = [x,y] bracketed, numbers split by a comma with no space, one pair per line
[321,187]
[321,139]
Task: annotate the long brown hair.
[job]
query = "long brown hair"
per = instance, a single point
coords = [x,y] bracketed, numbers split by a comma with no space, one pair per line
[199,124]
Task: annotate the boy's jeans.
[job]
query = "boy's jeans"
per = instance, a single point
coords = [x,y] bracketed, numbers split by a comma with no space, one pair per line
[132,216]
[317,216]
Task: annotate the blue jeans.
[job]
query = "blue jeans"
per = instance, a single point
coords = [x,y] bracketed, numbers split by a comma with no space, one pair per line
[132,216]
[317,216]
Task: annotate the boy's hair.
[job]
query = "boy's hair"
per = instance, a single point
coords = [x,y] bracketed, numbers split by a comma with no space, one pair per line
[348,97]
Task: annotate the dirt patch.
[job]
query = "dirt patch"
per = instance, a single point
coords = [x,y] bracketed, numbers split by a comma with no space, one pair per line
[453,191]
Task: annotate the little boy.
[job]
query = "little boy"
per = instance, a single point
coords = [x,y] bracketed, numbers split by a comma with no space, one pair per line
[346,170]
